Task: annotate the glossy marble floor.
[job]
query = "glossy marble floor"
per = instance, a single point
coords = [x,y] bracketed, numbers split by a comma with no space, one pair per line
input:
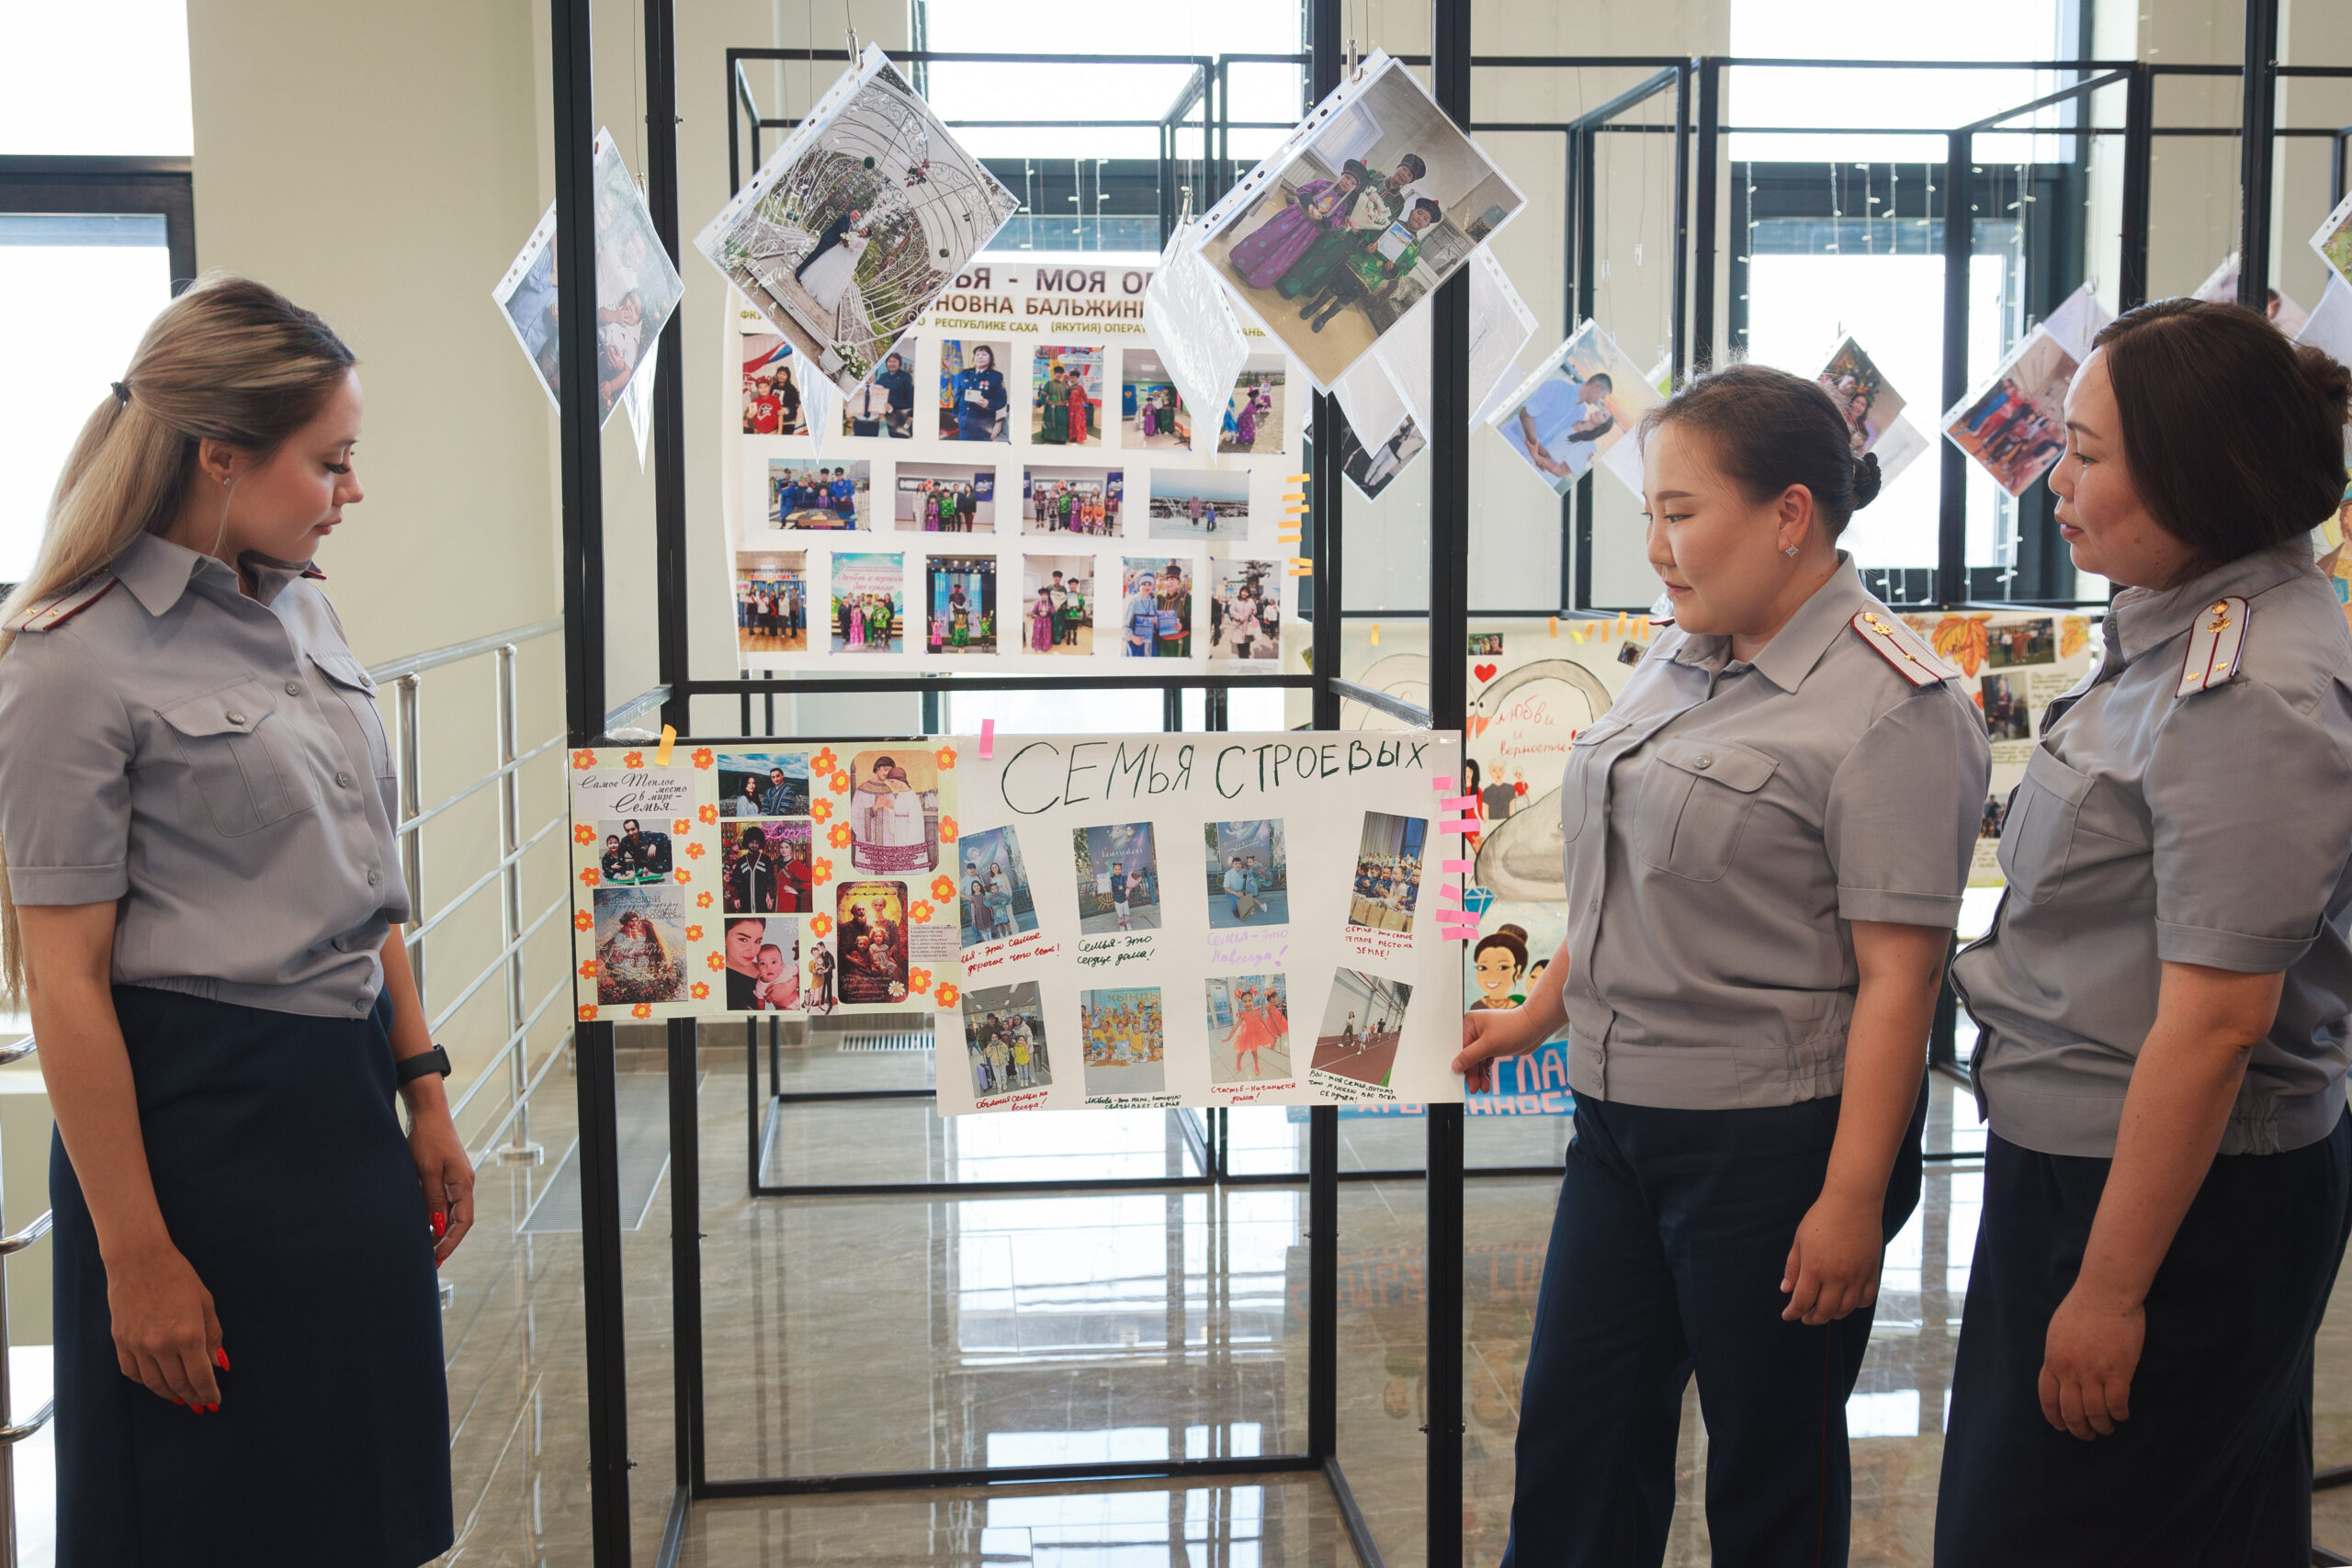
[849,1333]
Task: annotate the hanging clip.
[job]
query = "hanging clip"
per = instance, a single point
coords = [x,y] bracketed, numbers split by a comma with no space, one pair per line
[1355,65]
[854,51]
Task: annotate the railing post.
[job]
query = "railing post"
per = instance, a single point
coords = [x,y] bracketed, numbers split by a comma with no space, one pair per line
[518,1148]
[411,802]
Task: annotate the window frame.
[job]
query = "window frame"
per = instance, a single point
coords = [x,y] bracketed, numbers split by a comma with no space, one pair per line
[51,184]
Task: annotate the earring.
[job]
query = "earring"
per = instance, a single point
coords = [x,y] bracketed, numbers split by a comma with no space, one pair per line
[1790,551]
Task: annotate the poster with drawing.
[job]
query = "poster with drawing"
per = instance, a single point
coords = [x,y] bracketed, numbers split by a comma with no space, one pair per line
[1214,919]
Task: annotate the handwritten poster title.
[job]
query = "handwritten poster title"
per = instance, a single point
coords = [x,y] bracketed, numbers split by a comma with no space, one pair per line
[1043,776]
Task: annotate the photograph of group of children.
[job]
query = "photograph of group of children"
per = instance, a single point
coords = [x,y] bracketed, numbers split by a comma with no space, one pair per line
[1388,871]
[1085,502]
[960,593]
[945,498]
[2015,427]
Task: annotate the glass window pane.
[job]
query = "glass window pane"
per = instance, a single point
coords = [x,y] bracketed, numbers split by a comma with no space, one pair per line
[96,77]
[99,279]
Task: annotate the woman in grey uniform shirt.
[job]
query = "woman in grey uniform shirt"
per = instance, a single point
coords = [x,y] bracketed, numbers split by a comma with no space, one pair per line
[1766,839]
[2162,1000]
[204,909]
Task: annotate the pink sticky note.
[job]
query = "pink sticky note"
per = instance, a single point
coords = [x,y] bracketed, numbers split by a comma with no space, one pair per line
[1460,803]
[1450,892]
[1454,825]
[1456,918]
[988,738]
[1460,865]
[1460,933]
[1443,784]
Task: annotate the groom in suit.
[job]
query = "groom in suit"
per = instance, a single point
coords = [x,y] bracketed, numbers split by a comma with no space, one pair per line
[828,238]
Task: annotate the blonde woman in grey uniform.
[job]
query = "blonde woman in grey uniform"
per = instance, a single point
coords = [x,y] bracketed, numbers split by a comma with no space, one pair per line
[1766,840]
[2162,1000]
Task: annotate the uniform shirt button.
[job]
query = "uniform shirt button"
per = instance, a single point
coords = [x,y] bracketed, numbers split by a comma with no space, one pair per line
[1593,908]
[1706,761]
[236,718]
[342,781]
[374,878]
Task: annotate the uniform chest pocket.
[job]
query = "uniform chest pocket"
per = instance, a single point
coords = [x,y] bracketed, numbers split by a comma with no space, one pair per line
[1696,798]
[352,685]
[1581,780]
[2038,835]
[225,736]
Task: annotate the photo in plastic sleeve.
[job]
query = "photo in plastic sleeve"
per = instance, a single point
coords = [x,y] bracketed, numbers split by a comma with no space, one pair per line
[974,396]
[1501,326]
[1373,209]
[861,219]
[1065,395]
[1082,502]
[1195,337]
[631,852]
[893,810]
[868,602]
[1125,1036]
[2221,286]
[945,498]
[1248,874]
[1579,404]
[2015,427]
[763,965]
[869,944]
[1118,878]
[772,402]
[1249,1020]
[1004,1038]
[1253,415]
[1197,503]
[1388,871]
[636,286]
[1362,1021]
[1246,610]
[1866,401]
[763,783]
[819,495]
[959,604]
[770,602]
[641,945]
[1156,609]
[883,403]
[995,884]
[1379,437]
[764,868]
[1058,603]
[1151,411]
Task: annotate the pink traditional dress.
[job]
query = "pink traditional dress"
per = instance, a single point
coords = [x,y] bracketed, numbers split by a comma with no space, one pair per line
[856,627]
[1245,422]
[1041,627]
[1277,243]
[931,513]
[1149,413]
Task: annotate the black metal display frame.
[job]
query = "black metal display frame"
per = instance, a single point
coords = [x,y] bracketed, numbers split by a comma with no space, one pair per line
[1697,130]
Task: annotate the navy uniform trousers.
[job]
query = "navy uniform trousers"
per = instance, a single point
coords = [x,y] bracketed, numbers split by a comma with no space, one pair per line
[1665,1258]
[2215,1466]
[285,1181]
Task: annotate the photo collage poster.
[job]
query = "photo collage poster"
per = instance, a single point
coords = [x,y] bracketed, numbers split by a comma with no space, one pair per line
[1157,921]
[758,877]
[1018,485]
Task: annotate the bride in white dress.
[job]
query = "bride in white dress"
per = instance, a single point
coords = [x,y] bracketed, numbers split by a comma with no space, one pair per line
[828,278]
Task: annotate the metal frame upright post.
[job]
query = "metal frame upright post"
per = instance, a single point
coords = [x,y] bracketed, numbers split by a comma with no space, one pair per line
[1959,231]
[2139,117]
[2259,105]
[1702,249]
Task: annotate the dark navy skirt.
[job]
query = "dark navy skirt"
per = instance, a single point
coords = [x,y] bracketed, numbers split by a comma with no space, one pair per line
[285,1180]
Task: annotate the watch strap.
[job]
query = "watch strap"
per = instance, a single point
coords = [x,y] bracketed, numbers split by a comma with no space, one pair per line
[434,1061]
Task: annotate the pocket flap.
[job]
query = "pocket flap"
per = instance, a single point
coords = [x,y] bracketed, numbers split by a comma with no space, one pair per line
[232,710]
[1600,729]
[1726,763]
[2044,770]
[344,671]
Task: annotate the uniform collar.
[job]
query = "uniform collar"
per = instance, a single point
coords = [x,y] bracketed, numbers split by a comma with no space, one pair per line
[157,571]
[1797,646]
[2143,619]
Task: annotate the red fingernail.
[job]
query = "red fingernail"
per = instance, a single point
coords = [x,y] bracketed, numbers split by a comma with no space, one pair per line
[181,1403]
[221,1359]
[211,1408]
[440,1224]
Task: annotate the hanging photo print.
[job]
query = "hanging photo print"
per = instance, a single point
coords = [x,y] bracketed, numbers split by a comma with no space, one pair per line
[1370,205]
[1579,405]
[862,216]
[2015,427]
[636,287]
[1379,437]
[2221,286]
[1871,409]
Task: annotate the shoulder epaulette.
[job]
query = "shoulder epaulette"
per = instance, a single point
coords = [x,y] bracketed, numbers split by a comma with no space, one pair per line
[2216,640]
[1903,647]
[60,608]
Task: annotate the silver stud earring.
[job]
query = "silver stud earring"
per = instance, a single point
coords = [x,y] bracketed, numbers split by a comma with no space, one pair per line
[1790,551]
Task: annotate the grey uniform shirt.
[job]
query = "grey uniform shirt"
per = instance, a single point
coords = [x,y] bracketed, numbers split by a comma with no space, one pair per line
[2213,828]
[1723,823]
[217,765]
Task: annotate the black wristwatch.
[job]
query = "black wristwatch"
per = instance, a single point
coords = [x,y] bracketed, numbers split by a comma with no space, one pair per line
[434,1061]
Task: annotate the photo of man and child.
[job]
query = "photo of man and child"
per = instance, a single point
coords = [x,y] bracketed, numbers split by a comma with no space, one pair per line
[1118,878]
[634,853]
[1249,879]
[945,498]
[1158,614]
[770,602]
[1004,1037]
[1066,397]
[803,494]
[997,903]
[1388,871]
[1071,501]
[763,965]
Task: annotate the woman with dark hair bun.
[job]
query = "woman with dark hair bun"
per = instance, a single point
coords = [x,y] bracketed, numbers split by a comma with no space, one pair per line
[2161,1002]
[1766,839]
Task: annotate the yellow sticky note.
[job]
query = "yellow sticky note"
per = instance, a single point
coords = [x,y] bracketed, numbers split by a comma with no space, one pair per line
[1556,626]
[1298,479]
[1376,634]
[669,739]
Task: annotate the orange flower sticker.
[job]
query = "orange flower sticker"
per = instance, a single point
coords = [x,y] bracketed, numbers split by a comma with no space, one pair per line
[642,1009]
[633,759]
[682,827]
[584,834]
[709,814]
[820,871]
[947,829]
[702,900]
[2073,634]
[946,994]
[582,921]
[919,980]
[583,759]
[824,762]
[823,810]
[943,888]
[589,878]
[694,933]
[820,925]
[695,852]
[839,784]
[715,963]
[588,969]
[918,912]
[704,758]
[1964,640]
[699,991]
[944,757]
[588,1012]
[684,876]
[838,836]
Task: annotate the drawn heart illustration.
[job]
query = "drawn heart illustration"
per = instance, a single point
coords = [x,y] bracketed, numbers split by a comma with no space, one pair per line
[1484,672]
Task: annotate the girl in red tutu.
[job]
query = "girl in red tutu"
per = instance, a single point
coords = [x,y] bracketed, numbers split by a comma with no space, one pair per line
[1249,1033]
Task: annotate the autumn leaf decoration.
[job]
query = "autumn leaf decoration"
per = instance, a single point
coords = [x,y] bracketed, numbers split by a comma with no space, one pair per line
[2073,634]
[1964,640]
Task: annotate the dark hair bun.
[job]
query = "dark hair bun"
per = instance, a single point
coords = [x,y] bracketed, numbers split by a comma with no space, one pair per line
[1866,480]
[2330,382]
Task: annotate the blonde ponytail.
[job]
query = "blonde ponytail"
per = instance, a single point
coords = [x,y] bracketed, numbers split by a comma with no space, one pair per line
[230,360]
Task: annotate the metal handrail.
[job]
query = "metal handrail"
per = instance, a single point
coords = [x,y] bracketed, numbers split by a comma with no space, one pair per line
[411,824]
[29,1235]
[484,880]
[433,658]
[499,962]
[458,1107]
[11,1436]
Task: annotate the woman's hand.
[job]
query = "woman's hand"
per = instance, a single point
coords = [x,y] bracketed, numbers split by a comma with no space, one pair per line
[165,1334]
[1489,1033]
[2088,1360]
[448,1179]
[1833,1266]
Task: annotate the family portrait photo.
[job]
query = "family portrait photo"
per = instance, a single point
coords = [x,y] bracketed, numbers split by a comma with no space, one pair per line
[945,498]
[894,810]
[995,885]
[633,852]
[1368,214]
[1151,412]
[973,395]
[1579,403]
[959,600]
[1057,499]
[869,940]
[1059,594]
[1066,396]
[803,494]
[1125,1041]
[1253,416]
[641,945]
[764,868]
[1248,1018]
[2016,428]
[1191,503]
[770,602]
[1248,878]
[1246,610]
[1388,871]
[883,404]
[1156,616]
[771,392]
[763,965]
[2030,641]
[1118,878]
[866,602]
[1864,400]
[1004,1036]
[1362,1023]
[763,784]
[860,219]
